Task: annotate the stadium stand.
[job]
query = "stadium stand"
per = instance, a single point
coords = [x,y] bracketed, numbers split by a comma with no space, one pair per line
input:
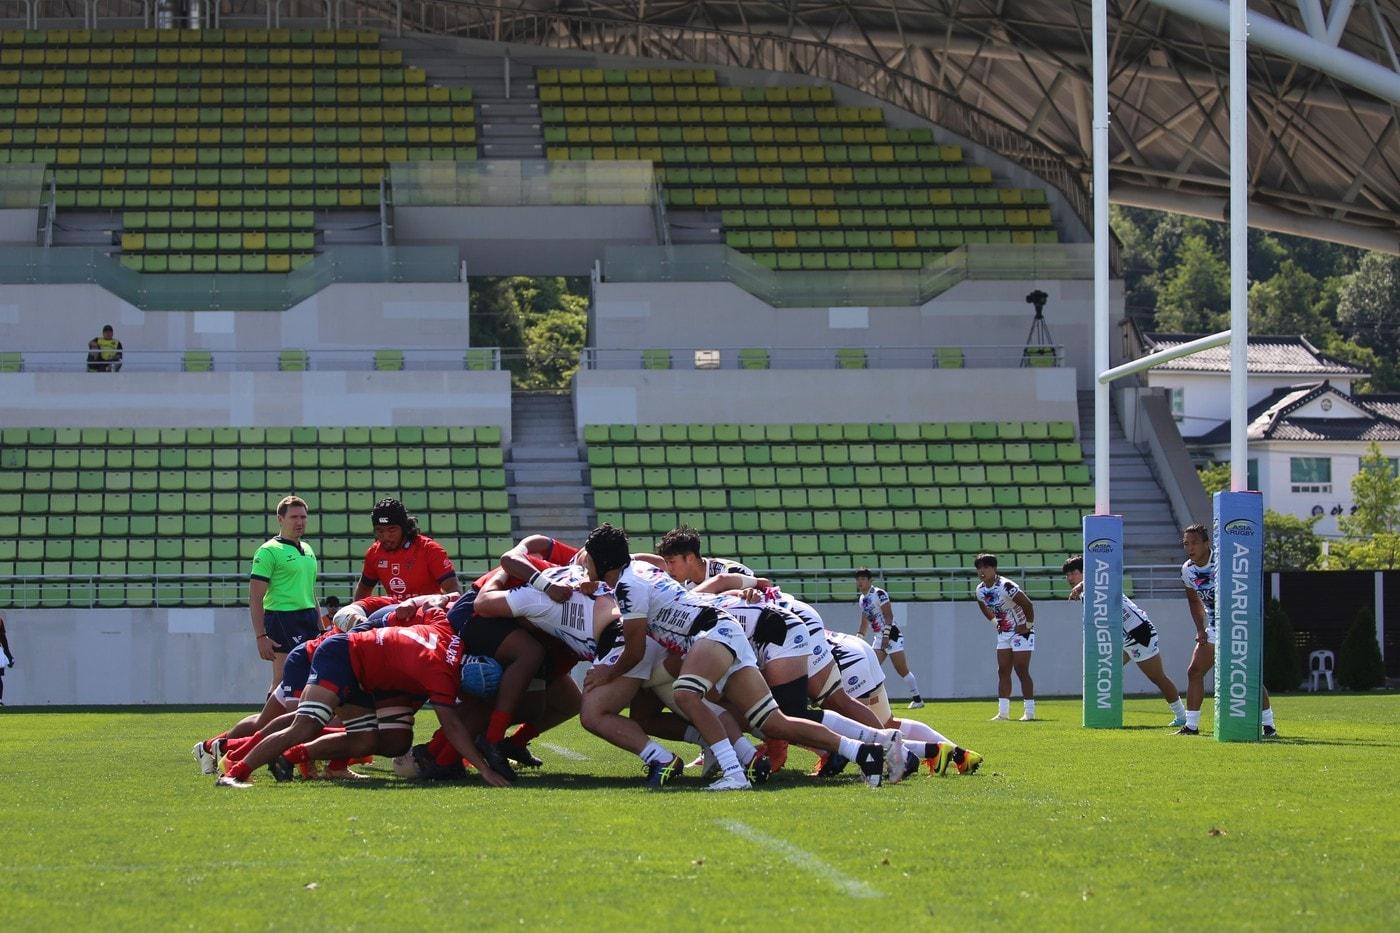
[815,496]
[125,512]
[803,184]
[218,145]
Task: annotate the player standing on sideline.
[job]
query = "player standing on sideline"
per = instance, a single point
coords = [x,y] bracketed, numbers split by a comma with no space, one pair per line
[1198,574]
[402,559]
[282,589]
[1139,640]
[1007,605]
[7,658]
[877,615]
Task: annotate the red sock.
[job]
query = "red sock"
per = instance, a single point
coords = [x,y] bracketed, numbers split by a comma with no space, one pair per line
[297,754]
[447,757]
[209,743]
[525,733]
[239,771]
[496,730]
[337,764]
[237,748]
[363,760]
[438,743]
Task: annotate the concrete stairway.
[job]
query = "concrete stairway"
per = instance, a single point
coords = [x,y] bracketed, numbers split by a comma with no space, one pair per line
[1150,531]
[545,475]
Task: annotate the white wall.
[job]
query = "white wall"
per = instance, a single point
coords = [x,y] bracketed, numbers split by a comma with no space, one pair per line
[373,315]
[221,399]
[170,656]
[722,315]
[775,396]
[1206,396]
[1275,477]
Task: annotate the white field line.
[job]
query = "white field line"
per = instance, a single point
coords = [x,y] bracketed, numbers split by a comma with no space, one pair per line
[802,859]
[562,752]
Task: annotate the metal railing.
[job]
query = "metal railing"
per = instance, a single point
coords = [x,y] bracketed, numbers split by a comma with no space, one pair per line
[230,590]
[318,360]
[965,356]
[69,265]
[818,289]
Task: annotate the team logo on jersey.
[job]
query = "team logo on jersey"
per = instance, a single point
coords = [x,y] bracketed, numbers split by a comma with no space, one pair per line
[1100,545]
[1240,526]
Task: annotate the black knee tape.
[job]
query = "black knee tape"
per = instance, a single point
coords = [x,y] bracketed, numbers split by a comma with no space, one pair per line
[758,714]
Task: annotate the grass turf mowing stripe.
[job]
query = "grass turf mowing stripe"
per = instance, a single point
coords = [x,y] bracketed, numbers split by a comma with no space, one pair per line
[802,859]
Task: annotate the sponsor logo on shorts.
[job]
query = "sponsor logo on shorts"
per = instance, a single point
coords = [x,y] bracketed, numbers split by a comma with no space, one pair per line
[798,640]
[852,680]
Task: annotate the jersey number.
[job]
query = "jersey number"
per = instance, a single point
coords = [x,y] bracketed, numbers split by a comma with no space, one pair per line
[430,642]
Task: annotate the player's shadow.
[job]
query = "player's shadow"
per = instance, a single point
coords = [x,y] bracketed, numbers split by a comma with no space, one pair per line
[1343,743]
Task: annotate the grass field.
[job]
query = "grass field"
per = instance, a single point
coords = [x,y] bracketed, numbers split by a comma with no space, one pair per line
[107,824]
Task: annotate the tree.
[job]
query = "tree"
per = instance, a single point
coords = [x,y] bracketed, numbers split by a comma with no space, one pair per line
[1368,306]
[1282,670]
[1195,299]
[553,344]
[1287,304]
[1215,477]
[1359,664]
[1375,490]
[1378,552]
[541,323]
[1290,543]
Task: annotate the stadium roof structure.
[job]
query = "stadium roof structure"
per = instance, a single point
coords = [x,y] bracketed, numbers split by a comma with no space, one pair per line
[1267,356]
[1015,76]
[1275,418]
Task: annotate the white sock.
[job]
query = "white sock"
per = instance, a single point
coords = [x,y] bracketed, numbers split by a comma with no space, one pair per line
[843,725]
[745,751]
[850,748]
[1004,706]
[1030,708]
[724,754]
[1267,717]
[1178,708]
[911,683]
[692,735]
[654,754]
[920,732]
[1193,718]
[921,749]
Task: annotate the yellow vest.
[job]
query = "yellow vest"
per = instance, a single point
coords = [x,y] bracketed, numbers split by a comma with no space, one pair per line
[107,348]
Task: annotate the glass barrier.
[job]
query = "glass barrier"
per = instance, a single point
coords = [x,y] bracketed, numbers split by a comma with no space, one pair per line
[512,183]
[67,265]
[21,186]
[720,263]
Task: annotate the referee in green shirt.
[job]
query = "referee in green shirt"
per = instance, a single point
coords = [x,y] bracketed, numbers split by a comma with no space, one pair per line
[282,590]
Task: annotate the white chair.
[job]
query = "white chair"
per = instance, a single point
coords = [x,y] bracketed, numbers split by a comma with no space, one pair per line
[1320,665]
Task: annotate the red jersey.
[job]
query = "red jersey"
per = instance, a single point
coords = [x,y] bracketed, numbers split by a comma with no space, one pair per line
[423,660]
[372,604]
[419,568]
[559,554]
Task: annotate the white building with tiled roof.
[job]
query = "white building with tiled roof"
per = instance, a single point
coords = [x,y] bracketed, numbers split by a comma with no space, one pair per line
[1199,385]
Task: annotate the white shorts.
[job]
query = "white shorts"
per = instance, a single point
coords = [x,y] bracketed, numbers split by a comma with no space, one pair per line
[731,634]
[862,675]
[819,649]
[646,668]
[794,643]
[1210,633]
[1015,642]
[1141,644]
[895,646]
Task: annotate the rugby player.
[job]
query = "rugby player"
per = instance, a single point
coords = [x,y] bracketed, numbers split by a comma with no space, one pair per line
[1198,575]
[413,661]
[716,655]
[403,560]
[1139,640]
[864,678]
[1006,604]
[877,615]
[679,550]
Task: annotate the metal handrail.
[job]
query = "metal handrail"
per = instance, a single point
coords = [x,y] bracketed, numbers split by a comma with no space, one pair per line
[437,359]
[973,356]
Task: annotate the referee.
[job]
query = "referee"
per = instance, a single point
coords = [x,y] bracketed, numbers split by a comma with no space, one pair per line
[282,589]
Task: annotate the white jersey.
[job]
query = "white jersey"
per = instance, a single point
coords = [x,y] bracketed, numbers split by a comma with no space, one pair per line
[674,615]
[871,605]
[1202,580]
[1000,599]
[714,566]
[570,621]
[820,647]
